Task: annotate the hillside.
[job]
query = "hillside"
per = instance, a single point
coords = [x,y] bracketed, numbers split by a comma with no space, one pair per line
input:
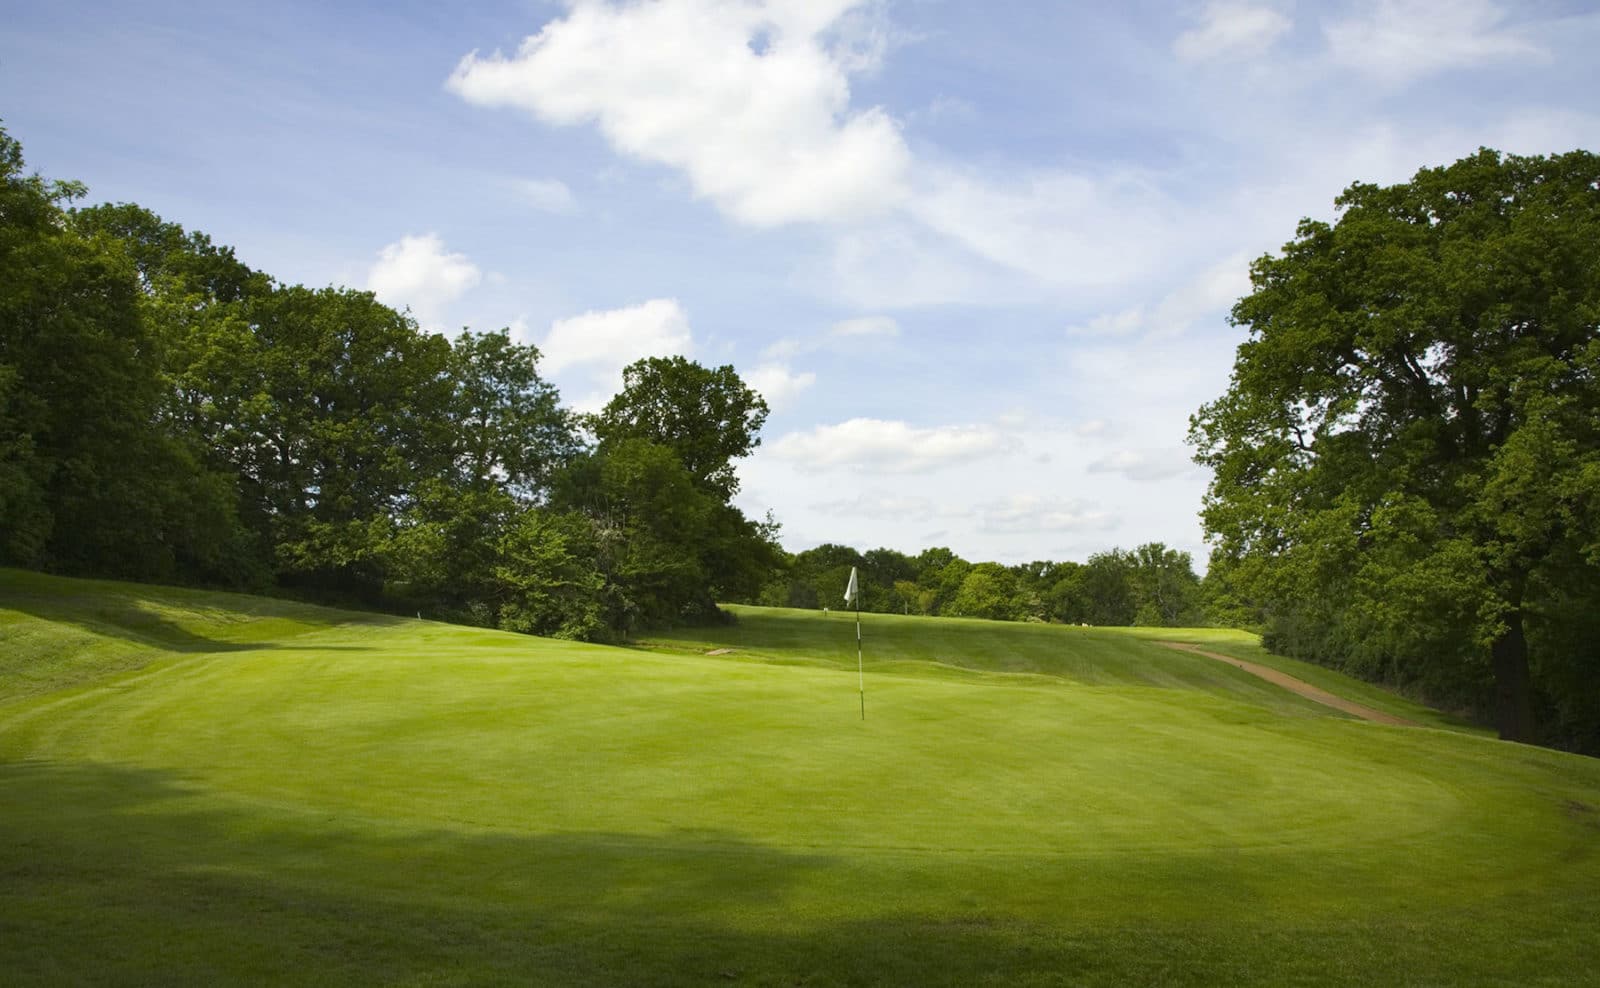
[1085,656]
[209,788]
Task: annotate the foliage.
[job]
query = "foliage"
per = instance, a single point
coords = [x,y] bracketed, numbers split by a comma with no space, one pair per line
[91,479]
[166,412]
[1151,585]
[706,416]
[552,584]
[503,422]
[1406,460]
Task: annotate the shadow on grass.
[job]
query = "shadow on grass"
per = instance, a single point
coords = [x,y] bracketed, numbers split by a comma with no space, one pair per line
[127,618]
[137,621]
[113,875]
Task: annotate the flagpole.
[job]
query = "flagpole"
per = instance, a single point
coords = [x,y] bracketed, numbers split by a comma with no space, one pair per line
[852,595]
[860,669]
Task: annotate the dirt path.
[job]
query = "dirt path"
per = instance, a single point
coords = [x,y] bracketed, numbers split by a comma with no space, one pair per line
[1301,687]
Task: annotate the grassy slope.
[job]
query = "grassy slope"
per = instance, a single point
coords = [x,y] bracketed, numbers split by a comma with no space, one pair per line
[318,797]
[1089,656]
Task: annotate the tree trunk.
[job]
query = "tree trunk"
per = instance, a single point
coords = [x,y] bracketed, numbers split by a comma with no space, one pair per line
[1513,694]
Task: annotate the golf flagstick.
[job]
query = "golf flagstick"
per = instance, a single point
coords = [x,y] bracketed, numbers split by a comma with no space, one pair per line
[852,594]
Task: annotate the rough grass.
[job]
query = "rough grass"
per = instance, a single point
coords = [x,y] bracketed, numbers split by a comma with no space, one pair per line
[305,796]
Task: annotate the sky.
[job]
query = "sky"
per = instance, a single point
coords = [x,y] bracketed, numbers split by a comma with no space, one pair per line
[978,258]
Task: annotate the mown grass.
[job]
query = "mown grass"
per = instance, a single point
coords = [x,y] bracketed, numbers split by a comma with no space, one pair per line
[332,799]
[1087,656]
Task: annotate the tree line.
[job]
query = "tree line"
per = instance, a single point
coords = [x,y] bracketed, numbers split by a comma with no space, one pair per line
[1150,585]
[168,413]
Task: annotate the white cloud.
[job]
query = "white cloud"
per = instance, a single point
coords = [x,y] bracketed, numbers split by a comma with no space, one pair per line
[1232,28]
[1027,513]
[900,265]
[1058,227]
[591,350]
[1398,40]
[1122,323]
[548,194]
[749,100]
[1211,293]
[1143,466]
[415,272]
[777,383]
[865,326]
[879,506]
[879,446]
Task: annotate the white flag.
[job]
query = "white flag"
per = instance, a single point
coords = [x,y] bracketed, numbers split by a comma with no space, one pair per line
[851,592]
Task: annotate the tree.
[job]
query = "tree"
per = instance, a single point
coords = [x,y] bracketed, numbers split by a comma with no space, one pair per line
[1104,588]
[551,580]
[707,416]
[335,430]
[91,479]
[1410,442]
[504,423]
[989,590]
[1164,583]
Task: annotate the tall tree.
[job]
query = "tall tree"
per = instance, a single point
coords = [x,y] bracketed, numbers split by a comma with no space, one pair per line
[1411,436]
[707,416]
[1104,588]
[90,479]
[341,431]
[504,423]
[1167,589]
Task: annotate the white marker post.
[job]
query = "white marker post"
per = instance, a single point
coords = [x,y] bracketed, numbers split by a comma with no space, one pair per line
[852,594]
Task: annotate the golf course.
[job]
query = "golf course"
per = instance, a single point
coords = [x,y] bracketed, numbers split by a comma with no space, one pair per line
[202,787]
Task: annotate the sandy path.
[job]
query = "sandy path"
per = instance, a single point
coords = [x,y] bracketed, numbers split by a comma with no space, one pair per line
[1301,687]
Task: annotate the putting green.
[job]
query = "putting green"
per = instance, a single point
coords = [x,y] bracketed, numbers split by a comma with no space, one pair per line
[258,790]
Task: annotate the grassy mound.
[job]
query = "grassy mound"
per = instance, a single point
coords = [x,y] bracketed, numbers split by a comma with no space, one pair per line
[212,788]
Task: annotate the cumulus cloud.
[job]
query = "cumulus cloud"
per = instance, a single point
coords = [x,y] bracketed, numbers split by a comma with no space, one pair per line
[1231,28]
[415,272]
[751,101]
[1398,40]
[777,383]
[602,342]
[879,446]
[1026,513]
[548,194]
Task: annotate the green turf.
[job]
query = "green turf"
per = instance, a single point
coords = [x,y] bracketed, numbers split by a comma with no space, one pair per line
[1089,656]
[197,794]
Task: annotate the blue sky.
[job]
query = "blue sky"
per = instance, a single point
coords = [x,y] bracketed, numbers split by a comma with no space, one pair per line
[979,257]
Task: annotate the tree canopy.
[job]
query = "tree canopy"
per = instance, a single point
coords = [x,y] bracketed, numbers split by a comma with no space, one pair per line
[1151,585]
[705,415]
[166,412]
[1407,458]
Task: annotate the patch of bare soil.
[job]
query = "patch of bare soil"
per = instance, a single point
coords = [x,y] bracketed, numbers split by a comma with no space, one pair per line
[1298,686]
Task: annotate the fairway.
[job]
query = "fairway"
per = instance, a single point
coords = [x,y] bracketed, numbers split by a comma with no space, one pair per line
[202,787]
